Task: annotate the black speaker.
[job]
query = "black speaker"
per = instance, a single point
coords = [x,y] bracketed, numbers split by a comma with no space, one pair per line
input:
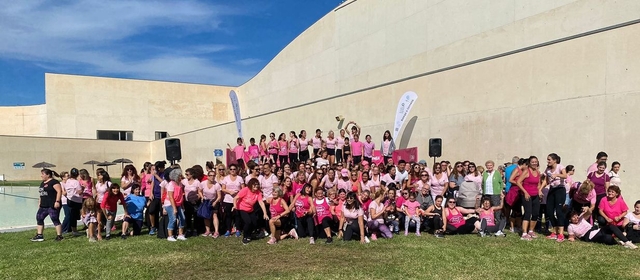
[435,147]
[172,148]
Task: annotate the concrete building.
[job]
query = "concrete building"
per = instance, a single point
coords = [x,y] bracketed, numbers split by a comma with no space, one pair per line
[494,79]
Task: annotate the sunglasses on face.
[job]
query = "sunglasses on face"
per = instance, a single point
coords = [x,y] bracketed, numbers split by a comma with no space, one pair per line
[451,202]
[220,170]
[404,193]
[232,169]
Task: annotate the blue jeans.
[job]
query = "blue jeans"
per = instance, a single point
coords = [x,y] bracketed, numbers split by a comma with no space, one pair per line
[66,223]
[172,217]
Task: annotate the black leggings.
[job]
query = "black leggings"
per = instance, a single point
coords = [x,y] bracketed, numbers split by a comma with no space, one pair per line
[293,158]
[230,216]
[600,237]
[351,230]
[305,226]
[283,160]
[249,222]
[357,159]
[468,227]
[304,155]
[274,157]
[338,155]
[615,230]
[190,214]
[596,210]
[632,234]
[531,208]
[555,202]
[434,223]
[75,213]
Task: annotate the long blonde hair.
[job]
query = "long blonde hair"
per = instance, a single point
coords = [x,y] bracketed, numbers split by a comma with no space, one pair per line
[89,205]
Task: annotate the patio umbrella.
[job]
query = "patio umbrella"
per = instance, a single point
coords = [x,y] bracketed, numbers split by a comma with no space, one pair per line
[106,164]
[93,164]
[43,165]
[122,161]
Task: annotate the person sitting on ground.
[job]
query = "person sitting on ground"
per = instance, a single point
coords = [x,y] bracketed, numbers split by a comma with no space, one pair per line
[412,212]
[613,209]
[580,228]
[453,220]
[352,219]
[433,217]
[487,224]
[135,206]
[632,224]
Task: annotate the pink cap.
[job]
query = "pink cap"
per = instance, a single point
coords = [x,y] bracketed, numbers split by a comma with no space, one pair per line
[344,172]
[364,162]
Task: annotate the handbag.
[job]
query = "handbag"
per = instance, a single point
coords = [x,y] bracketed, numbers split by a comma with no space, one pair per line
[205,210]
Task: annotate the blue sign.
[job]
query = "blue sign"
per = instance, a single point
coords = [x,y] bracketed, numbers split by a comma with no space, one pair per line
[217,152]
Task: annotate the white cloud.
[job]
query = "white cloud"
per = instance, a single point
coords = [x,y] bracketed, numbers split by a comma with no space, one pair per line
[247,61]
[100,37]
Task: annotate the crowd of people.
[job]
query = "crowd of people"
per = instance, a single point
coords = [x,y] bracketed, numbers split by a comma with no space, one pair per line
[287,191]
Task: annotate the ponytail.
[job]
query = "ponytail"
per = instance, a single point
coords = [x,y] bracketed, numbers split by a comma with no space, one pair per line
[50,173]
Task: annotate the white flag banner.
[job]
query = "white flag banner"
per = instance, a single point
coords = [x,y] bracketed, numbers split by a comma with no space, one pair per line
[236,111]
[404,106]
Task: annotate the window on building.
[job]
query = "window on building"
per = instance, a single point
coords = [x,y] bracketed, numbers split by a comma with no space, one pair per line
[161,134]
[115,135]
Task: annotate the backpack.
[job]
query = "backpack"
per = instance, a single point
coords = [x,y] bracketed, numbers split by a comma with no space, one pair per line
[467,195]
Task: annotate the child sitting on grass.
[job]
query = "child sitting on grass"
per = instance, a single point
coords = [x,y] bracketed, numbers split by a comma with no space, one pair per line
[135,207]
[89,215]
[412,211]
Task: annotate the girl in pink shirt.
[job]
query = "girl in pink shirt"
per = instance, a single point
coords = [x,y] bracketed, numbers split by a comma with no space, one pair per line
[263,149]
[244,203]
[304,211]
[304,146]
[369,147]
[331,147]
[86,183]
[316,142]
[254,151]
[283,150]
[411,208]
[387,146]
[339,146]
[352,220]
[238,151]
[294,146]
[145,179]
[357,149]
[279,215]
[273,148]
[211,192]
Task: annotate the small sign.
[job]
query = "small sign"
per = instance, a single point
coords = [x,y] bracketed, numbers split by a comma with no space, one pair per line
[217,152]
[18,165]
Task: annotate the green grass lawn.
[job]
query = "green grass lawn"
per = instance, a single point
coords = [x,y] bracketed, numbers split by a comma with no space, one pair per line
[454,257]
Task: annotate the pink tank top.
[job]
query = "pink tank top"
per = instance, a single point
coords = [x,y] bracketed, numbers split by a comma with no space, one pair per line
[293,148]
[262,151]
[530,184]
[254,151]
[283,148]
[273,147]
[456,220]
[322,210]
[302,206]
[331,143]
[488,215]
[276,207]
[304,144]
[317,142]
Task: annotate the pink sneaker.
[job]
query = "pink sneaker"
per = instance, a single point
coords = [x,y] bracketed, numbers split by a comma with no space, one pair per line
[560,238]
[271,241]
[533,234]
[374,237]
[553,236]
[525,237]
[216,235]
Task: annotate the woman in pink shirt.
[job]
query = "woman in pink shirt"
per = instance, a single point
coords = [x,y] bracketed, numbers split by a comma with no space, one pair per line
[273,148]
[377,213]
[330,180]
[369,147]
[263,149]
[279,215]
[613,209]
[244,203]
[304,146]
[283,150]
[173,198]
[211,193]
[530,186]
[439,182]
[231,185]
[584,196]
[580,228]
[323,213]
[340,145]
[352,219]
[316,142]
[331,143]
[254,151]
[454,222]
[388,146]
[145,179]
[191,187]
[129,177]
[304,210]
[294,146]
[555,175]
[357,149]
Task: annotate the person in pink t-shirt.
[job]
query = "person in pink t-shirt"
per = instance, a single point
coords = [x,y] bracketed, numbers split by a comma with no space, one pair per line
[283,150]
[488,223]
[614,209]
[357,149]
[279,215]
[263,149]
[238,151]
[273,148]
[294,147]
[352,220]
[369,147]
[580,228]
[411,209]
[254,151]
[600,157]
[244,202]
[331,147]
[316,142]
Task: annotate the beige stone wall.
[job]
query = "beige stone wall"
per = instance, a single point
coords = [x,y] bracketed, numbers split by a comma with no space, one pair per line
[65,154]
[573,98]
[77,106]
[24,120]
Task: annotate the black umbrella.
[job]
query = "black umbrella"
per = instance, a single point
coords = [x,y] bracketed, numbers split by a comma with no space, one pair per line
[93,164]
[43,165]
[122,161]
[106,164]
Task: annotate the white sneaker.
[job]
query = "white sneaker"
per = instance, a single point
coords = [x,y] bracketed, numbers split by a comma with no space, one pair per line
[294,233]
[366,240]
[499,234]
[182,238]
[170,238]
[312,241]
[630,245]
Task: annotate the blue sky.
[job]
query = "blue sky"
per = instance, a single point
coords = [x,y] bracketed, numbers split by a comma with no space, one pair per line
[209,42]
